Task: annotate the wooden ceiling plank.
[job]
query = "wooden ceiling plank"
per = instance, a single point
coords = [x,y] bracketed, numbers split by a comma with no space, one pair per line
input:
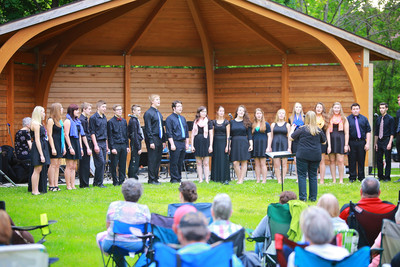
[69,38]
[208,54]
[144,28]
[272,41]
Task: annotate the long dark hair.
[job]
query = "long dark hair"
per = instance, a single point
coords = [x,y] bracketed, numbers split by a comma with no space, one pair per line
[246,118]
[201,108]
[71,109]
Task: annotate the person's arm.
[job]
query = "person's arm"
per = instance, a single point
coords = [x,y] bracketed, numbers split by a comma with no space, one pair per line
[392,133]
[148,128]
[250,138]
[270,138]
[169,129]
[366,147]
[67,128]
[49,127]
[36,131]
[85,141]
[92,130]
[346,136]
[211,135]
[328,139]
[289,139]
[110,139]
[228,134]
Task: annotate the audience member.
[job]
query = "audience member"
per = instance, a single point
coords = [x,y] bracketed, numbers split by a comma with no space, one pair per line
[23,142]
[5,228]
[128,211]
[221,211]
[330,203]
[317,227]
[377,244]
[187,192]
[370,201]
[179,213]
[285,196]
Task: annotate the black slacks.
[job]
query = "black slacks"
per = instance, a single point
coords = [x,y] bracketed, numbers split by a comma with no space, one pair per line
[84,168]
[119,160]
[356,158]
[134,163]
[382,145]
[154,159]
[100,163]
[176,160]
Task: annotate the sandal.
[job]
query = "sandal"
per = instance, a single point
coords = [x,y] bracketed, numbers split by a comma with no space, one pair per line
[51,188]
[57,188]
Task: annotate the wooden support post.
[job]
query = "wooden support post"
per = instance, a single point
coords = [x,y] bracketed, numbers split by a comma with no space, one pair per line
[10,98]
[127,86]
[285,84]
[362,96]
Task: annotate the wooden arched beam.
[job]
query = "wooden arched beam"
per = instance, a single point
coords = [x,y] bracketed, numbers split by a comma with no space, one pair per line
[326,39]
[67,41]
[12,45]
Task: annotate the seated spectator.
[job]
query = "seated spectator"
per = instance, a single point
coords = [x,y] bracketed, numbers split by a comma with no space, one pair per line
[221,211]
[179,213]
[187,192]
[285,196]
[317,228]
[377,244]
[5,228]
[23,143]
[370,201]
[330,203]
[193,235]
[128,211]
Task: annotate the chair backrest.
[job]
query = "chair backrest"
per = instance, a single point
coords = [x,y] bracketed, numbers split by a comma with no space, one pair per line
[279,219]
[367,224]
[162,229]
[390,240]
[284,247]
[347,239]
[220,255]
[305,258]
[34,255]
[204,208]
[124,228]
[236,238]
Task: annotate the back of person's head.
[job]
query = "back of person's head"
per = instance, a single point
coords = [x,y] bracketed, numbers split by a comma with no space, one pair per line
[5,228]
[285,196]
[222,207]
[132,190]
[397,216]
[316,225]
[189,191]
[193,227]
[180,212]
[370,187]
[329,203]
[26,122]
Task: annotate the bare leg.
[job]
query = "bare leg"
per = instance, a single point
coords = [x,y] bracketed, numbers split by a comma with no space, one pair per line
[243,170]
[68,173]
[51,172]
[73,173]
[332,166]
[236,167]
[199,163]
[322,168]
[263,169]
[277,168]
[340,164]
[284,168]
[206,168]
[56,173]
[257,163]
[35,179]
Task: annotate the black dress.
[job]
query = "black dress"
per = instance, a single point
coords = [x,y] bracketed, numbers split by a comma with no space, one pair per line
[75,145]
[280,140]
[35,158]
[202,144]
[260,141]
[337,140]
[220,159]
[57,142]
[240,141]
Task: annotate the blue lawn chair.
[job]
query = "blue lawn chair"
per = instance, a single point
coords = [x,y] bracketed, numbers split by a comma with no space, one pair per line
[204,208]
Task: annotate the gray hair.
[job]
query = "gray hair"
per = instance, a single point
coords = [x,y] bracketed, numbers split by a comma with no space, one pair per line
[317,225]
[132,190]
[26,122]
[370,187]
[222,207]
[397,216]
[193,226]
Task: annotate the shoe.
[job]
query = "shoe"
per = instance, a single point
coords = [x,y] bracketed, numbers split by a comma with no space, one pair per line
[35,194]
[387,180]
[226,182]
[154,182]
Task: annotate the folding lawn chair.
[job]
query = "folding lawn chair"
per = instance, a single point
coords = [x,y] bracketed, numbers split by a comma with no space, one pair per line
[44,228]
[204,208]
[347,239]
[304,258]
[284,247]
[390,241]
[33,255]
[236,238]
[217,256]
[121,228]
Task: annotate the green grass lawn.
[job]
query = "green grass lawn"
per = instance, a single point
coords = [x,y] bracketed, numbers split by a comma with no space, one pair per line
[81,213]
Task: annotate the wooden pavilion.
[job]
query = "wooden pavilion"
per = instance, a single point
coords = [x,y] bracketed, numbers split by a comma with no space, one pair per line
[203,52]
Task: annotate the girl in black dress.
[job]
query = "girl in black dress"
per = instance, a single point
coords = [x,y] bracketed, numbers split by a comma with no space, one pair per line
[322,122]
[74,133]
[220,159]
[241,143]
[337,135]
[202,142]
[262,139]
[55,130]
[40,152]
[280,142]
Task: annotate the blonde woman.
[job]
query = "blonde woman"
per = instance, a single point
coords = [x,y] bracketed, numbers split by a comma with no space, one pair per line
[55,130]
[322,122]
[337,135]
[40,151]
[280,142]
[202,143]
[309,138]
[241,143]
[261,131]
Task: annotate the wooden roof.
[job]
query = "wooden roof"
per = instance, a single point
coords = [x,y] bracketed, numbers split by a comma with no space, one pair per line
[182,32]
